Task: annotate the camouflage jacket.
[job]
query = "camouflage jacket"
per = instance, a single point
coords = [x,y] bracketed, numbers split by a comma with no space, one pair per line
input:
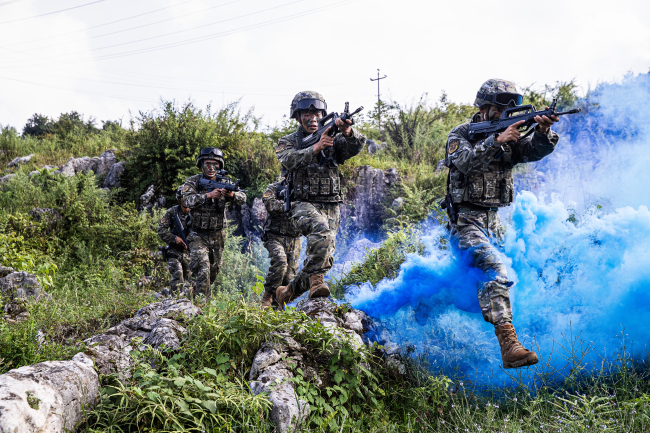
[278,221]
[476,177]
[207,214]
[166,225]
[312,181]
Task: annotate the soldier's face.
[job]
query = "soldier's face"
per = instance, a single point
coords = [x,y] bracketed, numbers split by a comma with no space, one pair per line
[491,112]
[210,167]
[309,119]
[183,207]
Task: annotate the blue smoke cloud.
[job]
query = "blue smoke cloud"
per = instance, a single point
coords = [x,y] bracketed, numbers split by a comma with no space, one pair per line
[578,250]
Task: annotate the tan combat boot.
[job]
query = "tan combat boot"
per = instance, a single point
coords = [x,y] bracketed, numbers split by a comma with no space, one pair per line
[317,286]
[267,299]
[513,354]
[284,295]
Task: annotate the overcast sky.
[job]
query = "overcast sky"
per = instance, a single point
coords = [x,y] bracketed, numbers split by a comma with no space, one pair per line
[107,58]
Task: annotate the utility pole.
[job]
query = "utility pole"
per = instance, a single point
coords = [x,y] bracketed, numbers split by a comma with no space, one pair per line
[378,97]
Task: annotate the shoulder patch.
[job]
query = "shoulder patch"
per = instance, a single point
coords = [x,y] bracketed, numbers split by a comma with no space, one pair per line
[186,188]
[453,145]
[268,194]
[163,220]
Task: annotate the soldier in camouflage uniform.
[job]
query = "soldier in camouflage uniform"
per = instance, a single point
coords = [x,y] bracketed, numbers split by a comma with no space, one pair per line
[207,219]
[316,190]
[282,241]
[178,254]
[479,184]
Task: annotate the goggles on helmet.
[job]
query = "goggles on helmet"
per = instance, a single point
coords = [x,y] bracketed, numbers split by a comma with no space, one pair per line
[211,151]
[311,104]
[503,98]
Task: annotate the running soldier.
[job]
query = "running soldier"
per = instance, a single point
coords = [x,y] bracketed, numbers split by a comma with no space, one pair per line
[177,252]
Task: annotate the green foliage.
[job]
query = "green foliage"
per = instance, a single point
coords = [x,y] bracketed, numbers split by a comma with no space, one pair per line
[566,93]
[38,126]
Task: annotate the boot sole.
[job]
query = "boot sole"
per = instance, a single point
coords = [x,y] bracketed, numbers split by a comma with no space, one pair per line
[523,363]
[321,292]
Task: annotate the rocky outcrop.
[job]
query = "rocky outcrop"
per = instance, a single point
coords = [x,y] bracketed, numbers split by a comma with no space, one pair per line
[48,397]
[78,165]
[281,354]
[113,177]
[369,190]
[374,147]
[105,162]
[21,285]
[258,214]
[156,324]
[21,160]
[6,178]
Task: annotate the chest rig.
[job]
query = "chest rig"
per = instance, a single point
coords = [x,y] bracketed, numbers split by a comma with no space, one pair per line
[318,181]
[493,187]
[211,215]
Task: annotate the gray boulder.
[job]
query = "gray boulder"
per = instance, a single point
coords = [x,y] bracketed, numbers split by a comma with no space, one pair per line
[21,285]
[113,177]
[78,165]
[371,187]
[281,354]
[6,178]
[258,213]
[20,160]
[48,397]
[374,147]
[106,162]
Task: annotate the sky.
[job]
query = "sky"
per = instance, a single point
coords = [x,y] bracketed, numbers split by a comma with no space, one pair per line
[111,59]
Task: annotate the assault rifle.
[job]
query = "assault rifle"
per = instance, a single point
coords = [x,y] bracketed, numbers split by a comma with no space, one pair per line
[178,229]
[448,204]
[326,122]
[512,115]
[220,182]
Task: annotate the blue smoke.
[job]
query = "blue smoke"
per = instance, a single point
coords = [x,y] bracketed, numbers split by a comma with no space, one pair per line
[578,250]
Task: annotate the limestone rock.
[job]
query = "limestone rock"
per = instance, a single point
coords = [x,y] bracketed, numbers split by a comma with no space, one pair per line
[49,396]
[113,177]
[370,191]
[374,147]
[398,203]
[258,213]
[78,165]
[6,178]
[21,285]
[20,160]
[106,161]
[5,270]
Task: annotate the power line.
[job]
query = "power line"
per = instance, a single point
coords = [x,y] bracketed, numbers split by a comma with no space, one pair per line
[98,25]
[132,28]
[202,38]
[9,2]
[52,13]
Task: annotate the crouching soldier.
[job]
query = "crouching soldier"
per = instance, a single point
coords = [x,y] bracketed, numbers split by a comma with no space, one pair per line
[208,218]
[172,228]
[282,240]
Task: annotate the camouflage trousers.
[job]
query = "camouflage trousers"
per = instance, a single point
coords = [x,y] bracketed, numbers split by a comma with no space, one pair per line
[284,252]
[319,223]
[206,258]
[474,232]
[178,264]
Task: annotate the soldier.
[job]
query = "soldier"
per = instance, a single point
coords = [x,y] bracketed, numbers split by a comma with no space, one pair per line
[207,219]
[478,185]
[282,240]
[177,253]
[316,191]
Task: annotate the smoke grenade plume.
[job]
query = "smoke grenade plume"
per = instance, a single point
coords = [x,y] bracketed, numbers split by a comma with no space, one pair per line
[578,250]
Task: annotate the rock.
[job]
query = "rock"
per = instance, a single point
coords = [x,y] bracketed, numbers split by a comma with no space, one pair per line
[113,177]
[78,165]
[374,147]
[5,270]
[21,285]
[370,190]
[6,178]
[440,166]
[398,203]
[259,214]
[48,397]
[20,160]
[156,324]
[105,162]
[272,367]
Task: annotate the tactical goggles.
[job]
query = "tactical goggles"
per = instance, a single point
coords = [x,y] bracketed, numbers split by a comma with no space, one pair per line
[505,98]
[211,151]
[311,104]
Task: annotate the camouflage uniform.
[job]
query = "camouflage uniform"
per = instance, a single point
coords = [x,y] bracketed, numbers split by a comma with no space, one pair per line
[281,239]
[206,238]
[316,195]
[479,184]
[178,258]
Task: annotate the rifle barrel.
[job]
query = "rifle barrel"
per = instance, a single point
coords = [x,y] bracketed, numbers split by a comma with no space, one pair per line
[575,110]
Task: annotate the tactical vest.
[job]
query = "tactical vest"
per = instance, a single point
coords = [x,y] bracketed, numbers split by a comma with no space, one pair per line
[493,187]
[316,183]
[211,215]
[280,225]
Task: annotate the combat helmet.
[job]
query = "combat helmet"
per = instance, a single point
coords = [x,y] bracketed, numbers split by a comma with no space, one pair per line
[496,91]
[210,153]
[307,100]
[179,193]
